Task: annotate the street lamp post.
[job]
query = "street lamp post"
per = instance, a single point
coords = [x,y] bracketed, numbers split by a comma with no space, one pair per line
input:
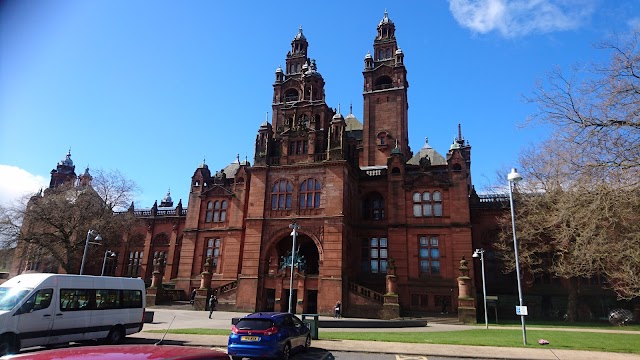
[513,178]
[294,233]
[104,262]
[97,236]
[480,253]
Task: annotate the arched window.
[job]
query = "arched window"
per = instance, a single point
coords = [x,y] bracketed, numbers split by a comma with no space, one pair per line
[437,203]
[383,82]
[209,212]
[388,53]
[426,205]
[374,207]
[380,54]
[310,190]
[281,195]
[220,211]
[291,95]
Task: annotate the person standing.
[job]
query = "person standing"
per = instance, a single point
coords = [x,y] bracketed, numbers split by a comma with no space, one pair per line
[213,300]
[337,309]
[193,297]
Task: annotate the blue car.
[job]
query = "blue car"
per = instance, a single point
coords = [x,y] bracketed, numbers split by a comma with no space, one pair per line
[268,334]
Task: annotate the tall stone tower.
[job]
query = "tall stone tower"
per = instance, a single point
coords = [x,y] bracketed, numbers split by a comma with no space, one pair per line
[385,99]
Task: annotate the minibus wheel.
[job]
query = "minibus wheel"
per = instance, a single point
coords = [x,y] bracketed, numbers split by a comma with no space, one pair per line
[8,344]
[116,335]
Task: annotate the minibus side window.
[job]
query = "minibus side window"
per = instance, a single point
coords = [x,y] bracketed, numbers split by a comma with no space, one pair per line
[75,299]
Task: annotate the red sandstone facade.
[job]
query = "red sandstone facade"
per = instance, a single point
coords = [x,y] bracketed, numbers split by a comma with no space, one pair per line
[368,207]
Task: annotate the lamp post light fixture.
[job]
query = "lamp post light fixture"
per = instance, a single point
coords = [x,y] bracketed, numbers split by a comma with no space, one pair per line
[97,238]
[479,253]
[294,233]
[513,178]
[107,253]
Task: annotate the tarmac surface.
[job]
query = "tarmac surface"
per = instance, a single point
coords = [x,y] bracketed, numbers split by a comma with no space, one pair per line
[183,319]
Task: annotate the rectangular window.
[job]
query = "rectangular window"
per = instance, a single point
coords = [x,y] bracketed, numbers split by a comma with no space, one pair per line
[213,252]
[429,253]
[419,300]
[74,299]
[378,255]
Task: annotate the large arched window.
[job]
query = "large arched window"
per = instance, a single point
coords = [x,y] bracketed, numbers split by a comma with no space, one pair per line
[281,195]
[209,213]
[220,211]
[310,190]
[291,95]
[383,82]
[373,208]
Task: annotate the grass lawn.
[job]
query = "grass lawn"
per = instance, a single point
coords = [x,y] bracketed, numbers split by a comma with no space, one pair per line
[623,343]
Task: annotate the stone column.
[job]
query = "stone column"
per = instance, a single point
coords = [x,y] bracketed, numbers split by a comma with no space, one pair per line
[154,292]
[466,302]
[391,305]
[201,302]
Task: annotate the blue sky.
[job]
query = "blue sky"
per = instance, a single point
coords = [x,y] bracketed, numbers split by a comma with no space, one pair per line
[152,88]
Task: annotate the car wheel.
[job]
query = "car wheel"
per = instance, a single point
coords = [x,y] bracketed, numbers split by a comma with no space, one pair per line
[116,335]
[8,345]
[307,343]
[286,352]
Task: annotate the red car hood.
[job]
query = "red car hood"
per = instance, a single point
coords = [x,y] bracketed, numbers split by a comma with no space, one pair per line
[125,352]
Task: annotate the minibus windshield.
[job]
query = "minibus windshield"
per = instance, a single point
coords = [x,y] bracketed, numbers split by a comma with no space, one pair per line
[10,297]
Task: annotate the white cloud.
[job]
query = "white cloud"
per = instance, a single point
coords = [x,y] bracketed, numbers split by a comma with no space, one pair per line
[513,18]
[17,183]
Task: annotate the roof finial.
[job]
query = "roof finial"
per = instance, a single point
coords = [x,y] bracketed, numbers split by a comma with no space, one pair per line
[426,139]
[238,158]
[386,14]
[396,143]
[338,108]
[246,159]
[266,118]
[459,132]
[350,108]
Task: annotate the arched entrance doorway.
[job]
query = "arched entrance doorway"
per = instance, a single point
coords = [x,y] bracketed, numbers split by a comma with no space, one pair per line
[305,276]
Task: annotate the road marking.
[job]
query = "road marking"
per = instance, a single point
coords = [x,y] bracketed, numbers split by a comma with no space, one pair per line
[410,357]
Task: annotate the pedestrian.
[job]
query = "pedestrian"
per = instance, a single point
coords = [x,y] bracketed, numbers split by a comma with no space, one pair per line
[193,297]
[213,300]
[337,309]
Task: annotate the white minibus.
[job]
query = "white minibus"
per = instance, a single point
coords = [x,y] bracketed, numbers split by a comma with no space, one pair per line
[48,309]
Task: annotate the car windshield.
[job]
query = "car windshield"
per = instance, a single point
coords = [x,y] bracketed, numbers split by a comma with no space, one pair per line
[254,324]
[10,297]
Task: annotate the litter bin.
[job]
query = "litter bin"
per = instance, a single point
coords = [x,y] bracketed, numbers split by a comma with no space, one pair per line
[312,320]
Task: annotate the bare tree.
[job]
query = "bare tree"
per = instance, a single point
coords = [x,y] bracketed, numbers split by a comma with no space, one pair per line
[578,211]
[56,224]
[596,109]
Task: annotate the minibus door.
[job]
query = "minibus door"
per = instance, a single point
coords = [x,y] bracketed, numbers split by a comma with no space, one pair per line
[35,318]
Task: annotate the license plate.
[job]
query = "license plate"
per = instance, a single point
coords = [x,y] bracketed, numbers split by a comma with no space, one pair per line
[250,338]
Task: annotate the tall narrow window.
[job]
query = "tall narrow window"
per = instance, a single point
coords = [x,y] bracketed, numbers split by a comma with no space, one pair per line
[310,190]
[209,212]
[135,263]
[429,255]
[378,255]
[437,203]
[374,207]
[213,252]
[281,194]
